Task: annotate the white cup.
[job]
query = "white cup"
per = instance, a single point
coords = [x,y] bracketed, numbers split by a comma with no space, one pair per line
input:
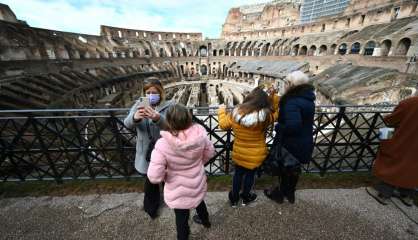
[386,133]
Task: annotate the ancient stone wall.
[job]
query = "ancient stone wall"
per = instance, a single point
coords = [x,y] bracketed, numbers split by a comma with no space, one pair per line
[261,16]
[6,14]
[354,18]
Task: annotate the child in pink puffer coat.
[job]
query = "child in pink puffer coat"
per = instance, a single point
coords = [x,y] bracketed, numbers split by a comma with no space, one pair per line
[178,160]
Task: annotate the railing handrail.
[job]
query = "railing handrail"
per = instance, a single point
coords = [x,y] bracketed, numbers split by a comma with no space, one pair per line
[194,108]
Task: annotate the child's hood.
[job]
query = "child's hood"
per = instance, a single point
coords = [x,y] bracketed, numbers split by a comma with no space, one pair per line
[251,119]
[189,141]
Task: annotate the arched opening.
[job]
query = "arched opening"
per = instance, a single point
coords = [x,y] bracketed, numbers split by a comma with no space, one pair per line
[385,48]
[162,52]
[342,49]
[203,69]
[203,51]
[355,48]
[184,52]
[312,50]
[147,52]
[403,46]
[322,50]
[245,49]
[332,49]
[209,48]
[295,50]
[369,48]
[221,52]
[266,49]
[303,51]
[182,70]
[214,52]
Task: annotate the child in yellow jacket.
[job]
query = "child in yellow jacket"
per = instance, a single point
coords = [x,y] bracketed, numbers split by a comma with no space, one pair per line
[249,122]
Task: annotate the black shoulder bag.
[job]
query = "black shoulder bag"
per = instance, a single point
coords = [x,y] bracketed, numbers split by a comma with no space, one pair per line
[151,144]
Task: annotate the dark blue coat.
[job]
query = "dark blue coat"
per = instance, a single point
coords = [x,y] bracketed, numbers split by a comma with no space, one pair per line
[295,123]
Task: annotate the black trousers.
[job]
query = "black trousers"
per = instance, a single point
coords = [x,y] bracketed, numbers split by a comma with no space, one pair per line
[182,219]
[151,198]
[242,175]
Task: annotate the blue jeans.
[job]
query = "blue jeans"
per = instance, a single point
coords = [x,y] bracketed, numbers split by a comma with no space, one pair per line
[242,174]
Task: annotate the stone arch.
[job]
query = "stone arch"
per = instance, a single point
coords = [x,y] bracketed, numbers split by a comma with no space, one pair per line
[312,51]
[403,47]
[303,51]
[257,50]
[50,51]
[369,48]
[385,47]
[342,49]
[61,52]
[238,50]
[265,49]
[162,52]
[323,50]
[355,48]
[221,52]
[203,69]
[209,49]
[203,51]
[184,52]
[245,49]
[72,53]
[295,50]
[333,48]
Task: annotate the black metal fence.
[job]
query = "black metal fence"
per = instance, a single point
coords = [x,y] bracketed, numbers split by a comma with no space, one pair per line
[90,144]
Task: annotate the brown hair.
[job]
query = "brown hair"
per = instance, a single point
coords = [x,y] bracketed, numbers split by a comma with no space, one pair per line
[178,118]
[256,100]
[154,82]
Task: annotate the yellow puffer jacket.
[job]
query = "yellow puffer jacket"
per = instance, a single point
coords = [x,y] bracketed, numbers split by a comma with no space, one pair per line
[250,147]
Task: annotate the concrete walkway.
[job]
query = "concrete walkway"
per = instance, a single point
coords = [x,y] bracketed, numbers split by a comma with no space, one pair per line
[317,214]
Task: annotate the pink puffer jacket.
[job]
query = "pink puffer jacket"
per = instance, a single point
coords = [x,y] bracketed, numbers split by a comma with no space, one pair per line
[179,162]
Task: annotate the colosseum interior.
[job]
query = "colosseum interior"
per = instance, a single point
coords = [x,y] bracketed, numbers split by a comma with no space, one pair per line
[363,55]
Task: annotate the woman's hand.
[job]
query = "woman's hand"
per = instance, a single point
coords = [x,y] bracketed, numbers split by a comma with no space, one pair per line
[139,114]
[151,114]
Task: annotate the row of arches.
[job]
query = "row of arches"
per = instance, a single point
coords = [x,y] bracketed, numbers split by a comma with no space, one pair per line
[373,48]
[288,47]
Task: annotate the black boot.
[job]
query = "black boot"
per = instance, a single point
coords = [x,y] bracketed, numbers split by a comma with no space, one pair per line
[151,198]
[292,178]
[275,194]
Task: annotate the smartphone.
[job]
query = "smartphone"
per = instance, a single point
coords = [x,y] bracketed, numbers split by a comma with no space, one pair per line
[143,102]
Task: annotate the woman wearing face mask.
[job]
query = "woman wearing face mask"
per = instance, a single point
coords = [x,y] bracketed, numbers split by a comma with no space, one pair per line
[148,121]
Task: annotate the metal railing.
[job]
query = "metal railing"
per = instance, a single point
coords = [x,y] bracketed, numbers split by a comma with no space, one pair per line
[94,143]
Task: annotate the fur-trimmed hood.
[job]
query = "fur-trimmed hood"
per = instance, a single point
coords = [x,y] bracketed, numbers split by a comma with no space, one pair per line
[251,119]
[304,91]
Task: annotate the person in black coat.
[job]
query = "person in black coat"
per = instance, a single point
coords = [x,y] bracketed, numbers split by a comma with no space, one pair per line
[294,132]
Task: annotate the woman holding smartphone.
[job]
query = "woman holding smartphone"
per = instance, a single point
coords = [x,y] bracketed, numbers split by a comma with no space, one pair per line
[147,117]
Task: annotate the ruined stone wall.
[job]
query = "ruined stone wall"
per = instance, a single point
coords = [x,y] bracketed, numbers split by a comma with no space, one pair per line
[6,14]
[261,16]
[359,15]
[149,35]
[40,68]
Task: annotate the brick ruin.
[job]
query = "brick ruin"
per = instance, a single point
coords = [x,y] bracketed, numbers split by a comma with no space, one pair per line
[363,55]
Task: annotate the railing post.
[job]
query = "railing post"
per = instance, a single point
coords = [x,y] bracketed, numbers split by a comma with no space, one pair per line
[366,141]
[340,115]
[228,151]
